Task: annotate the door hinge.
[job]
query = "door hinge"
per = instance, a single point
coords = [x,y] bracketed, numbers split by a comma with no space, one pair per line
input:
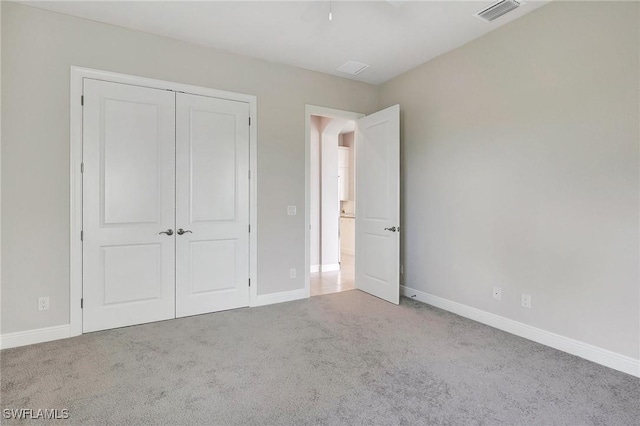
[81,167]
[81,235]
[249,282]
[82,100]
[82,303]
[249,228]
[249,174]
[249,121]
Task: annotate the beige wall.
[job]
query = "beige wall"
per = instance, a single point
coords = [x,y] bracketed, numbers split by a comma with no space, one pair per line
[329,203]
[38,48]
[520,170]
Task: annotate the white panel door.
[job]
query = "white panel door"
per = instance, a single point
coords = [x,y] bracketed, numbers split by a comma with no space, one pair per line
[212,209]
[128,199]
[378,204]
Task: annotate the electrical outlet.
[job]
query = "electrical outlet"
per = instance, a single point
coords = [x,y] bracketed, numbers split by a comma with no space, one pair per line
[292,273]
[43,303]
[526,301]
[291,210]
[497,293]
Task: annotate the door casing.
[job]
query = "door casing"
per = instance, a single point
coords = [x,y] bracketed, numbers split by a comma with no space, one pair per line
[78,74]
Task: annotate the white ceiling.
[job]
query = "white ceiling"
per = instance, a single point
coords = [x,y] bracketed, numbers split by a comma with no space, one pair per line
[391,38]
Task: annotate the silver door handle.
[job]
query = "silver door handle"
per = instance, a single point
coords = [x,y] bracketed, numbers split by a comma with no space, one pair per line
[392,229]
[183,231]
[169,232]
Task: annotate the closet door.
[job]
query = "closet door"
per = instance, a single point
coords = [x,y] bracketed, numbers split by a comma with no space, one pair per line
[212,204]
[128,200]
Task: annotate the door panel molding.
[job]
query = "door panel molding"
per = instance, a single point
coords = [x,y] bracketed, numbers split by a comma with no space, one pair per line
[378,206]
[77,78]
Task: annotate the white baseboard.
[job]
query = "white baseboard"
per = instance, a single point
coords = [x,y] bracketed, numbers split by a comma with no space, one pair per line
[584,350]
[330,267]
[29,337]
[41,335]
[315,268]
[285,296]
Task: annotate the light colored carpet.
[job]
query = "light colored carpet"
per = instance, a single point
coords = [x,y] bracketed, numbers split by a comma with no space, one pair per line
[345,358]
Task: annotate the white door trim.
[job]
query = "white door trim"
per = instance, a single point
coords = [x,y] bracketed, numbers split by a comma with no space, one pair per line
[78,74]
[308,112]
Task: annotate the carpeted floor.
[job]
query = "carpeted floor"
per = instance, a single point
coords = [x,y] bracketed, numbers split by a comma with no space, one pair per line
[345,358]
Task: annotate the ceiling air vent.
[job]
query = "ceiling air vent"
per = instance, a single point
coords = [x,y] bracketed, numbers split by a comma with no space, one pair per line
[497,9]
[353,67]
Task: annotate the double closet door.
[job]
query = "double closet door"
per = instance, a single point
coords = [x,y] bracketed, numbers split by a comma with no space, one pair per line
[165,205]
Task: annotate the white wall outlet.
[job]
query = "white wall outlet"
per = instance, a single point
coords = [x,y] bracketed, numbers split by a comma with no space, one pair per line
[292,273]
[43,303]
[526,301]
[497,293]
[291,210]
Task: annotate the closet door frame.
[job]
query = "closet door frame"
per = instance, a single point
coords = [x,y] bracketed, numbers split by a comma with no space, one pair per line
[78,76]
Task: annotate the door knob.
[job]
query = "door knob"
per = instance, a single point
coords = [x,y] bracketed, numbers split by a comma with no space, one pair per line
[392,229]
[183,231]
[169,232]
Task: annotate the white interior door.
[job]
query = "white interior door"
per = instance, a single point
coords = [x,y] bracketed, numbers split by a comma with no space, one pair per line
[378,205]
[128,199]
[212,209]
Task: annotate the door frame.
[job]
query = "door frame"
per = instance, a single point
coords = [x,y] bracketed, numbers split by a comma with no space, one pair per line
[78,74]
[310,110]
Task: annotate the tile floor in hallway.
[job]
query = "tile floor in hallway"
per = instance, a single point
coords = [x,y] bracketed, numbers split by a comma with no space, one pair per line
[335,281]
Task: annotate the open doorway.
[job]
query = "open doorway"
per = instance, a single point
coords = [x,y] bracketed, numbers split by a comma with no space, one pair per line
[332,204]
[377,210]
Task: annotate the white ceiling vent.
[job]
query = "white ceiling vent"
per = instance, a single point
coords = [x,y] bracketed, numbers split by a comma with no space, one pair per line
[353,67]
[498,9]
